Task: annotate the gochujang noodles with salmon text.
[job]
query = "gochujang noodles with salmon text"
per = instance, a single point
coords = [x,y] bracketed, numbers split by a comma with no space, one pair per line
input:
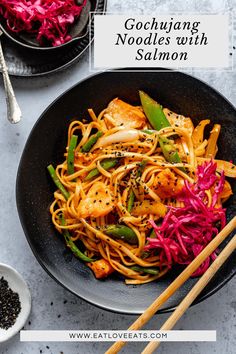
[140,190]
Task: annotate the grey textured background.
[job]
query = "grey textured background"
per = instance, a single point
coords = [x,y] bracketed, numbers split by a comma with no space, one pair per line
[34,95]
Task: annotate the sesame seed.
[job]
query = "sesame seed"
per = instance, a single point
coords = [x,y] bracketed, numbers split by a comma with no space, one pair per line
[9,304]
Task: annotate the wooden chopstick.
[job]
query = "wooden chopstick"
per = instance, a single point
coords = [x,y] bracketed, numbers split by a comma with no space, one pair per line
[194,292]
[176,284]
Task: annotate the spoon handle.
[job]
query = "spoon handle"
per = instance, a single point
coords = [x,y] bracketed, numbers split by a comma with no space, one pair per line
[13,109]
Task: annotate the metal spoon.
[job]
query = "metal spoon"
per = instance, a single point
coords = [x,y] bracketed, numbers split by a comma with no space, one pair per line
[13,109]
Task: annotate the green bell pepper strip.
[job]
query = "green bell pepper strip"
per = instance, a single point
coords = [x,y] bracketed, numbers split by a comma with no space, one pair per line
[154,112]
[106,164]
[121,232]
[71,154]
[71,244]
[57,182]
[158,120]
[153,271]
[132,195]
[92,140]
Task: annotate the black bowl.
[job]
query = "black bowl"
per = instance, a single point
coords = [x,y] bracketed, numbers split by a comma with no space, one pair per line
[79,29]
[46,144]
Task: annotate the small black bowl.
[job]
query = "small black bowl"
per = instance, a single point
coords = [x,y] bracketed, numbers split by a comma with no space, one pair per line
[46,144]
[78,31]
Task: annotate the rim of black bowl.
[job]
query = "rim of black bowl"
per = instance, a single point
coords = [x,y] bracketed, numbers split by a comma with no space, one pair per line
[73,40]
[41,261]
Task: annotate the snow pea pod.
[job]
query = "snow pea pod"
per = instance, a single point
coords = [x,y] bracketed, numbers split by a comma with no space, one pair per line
[57,182]
[158,120]
[92,141]
[71,244]
[150,270]
[132,195]
[154,112]
[71,154]
[106,164]
[130,200]
[121,232]
[168,150]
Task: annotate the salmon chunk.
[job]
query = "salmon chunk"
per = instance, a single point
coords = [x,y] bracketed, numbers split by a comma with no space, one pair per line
[177,120]
[101,268]
[149,207]
[98,202]
[124,114]
[167,184]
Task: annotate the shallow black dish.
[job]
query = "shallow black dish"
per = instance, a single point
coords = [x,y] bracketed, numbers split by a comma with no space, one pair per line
[78,30]
[46,144]
[27,62]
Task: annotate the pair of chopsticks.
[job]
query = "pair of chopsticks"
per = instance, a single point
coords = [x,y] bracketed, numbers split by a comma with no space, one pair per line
[180,280]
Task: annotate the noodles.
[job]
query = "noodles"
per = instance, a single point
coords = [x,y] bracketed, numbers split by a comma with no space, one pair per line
[123,179]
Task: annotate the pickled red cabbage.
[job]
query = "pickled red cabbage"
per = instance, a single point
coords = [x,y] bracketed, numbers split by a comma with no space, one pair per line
[48,20]
[186,230]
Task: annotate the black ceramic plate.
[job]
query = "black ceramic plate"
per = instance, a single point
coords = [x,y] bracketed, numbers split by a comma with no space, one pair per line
[27,62]
[46,143]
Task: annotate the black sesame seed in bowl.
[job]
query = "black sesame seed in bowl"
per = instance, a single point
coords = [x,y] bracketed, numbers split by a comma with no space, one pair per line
[10,305]
[15,302]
